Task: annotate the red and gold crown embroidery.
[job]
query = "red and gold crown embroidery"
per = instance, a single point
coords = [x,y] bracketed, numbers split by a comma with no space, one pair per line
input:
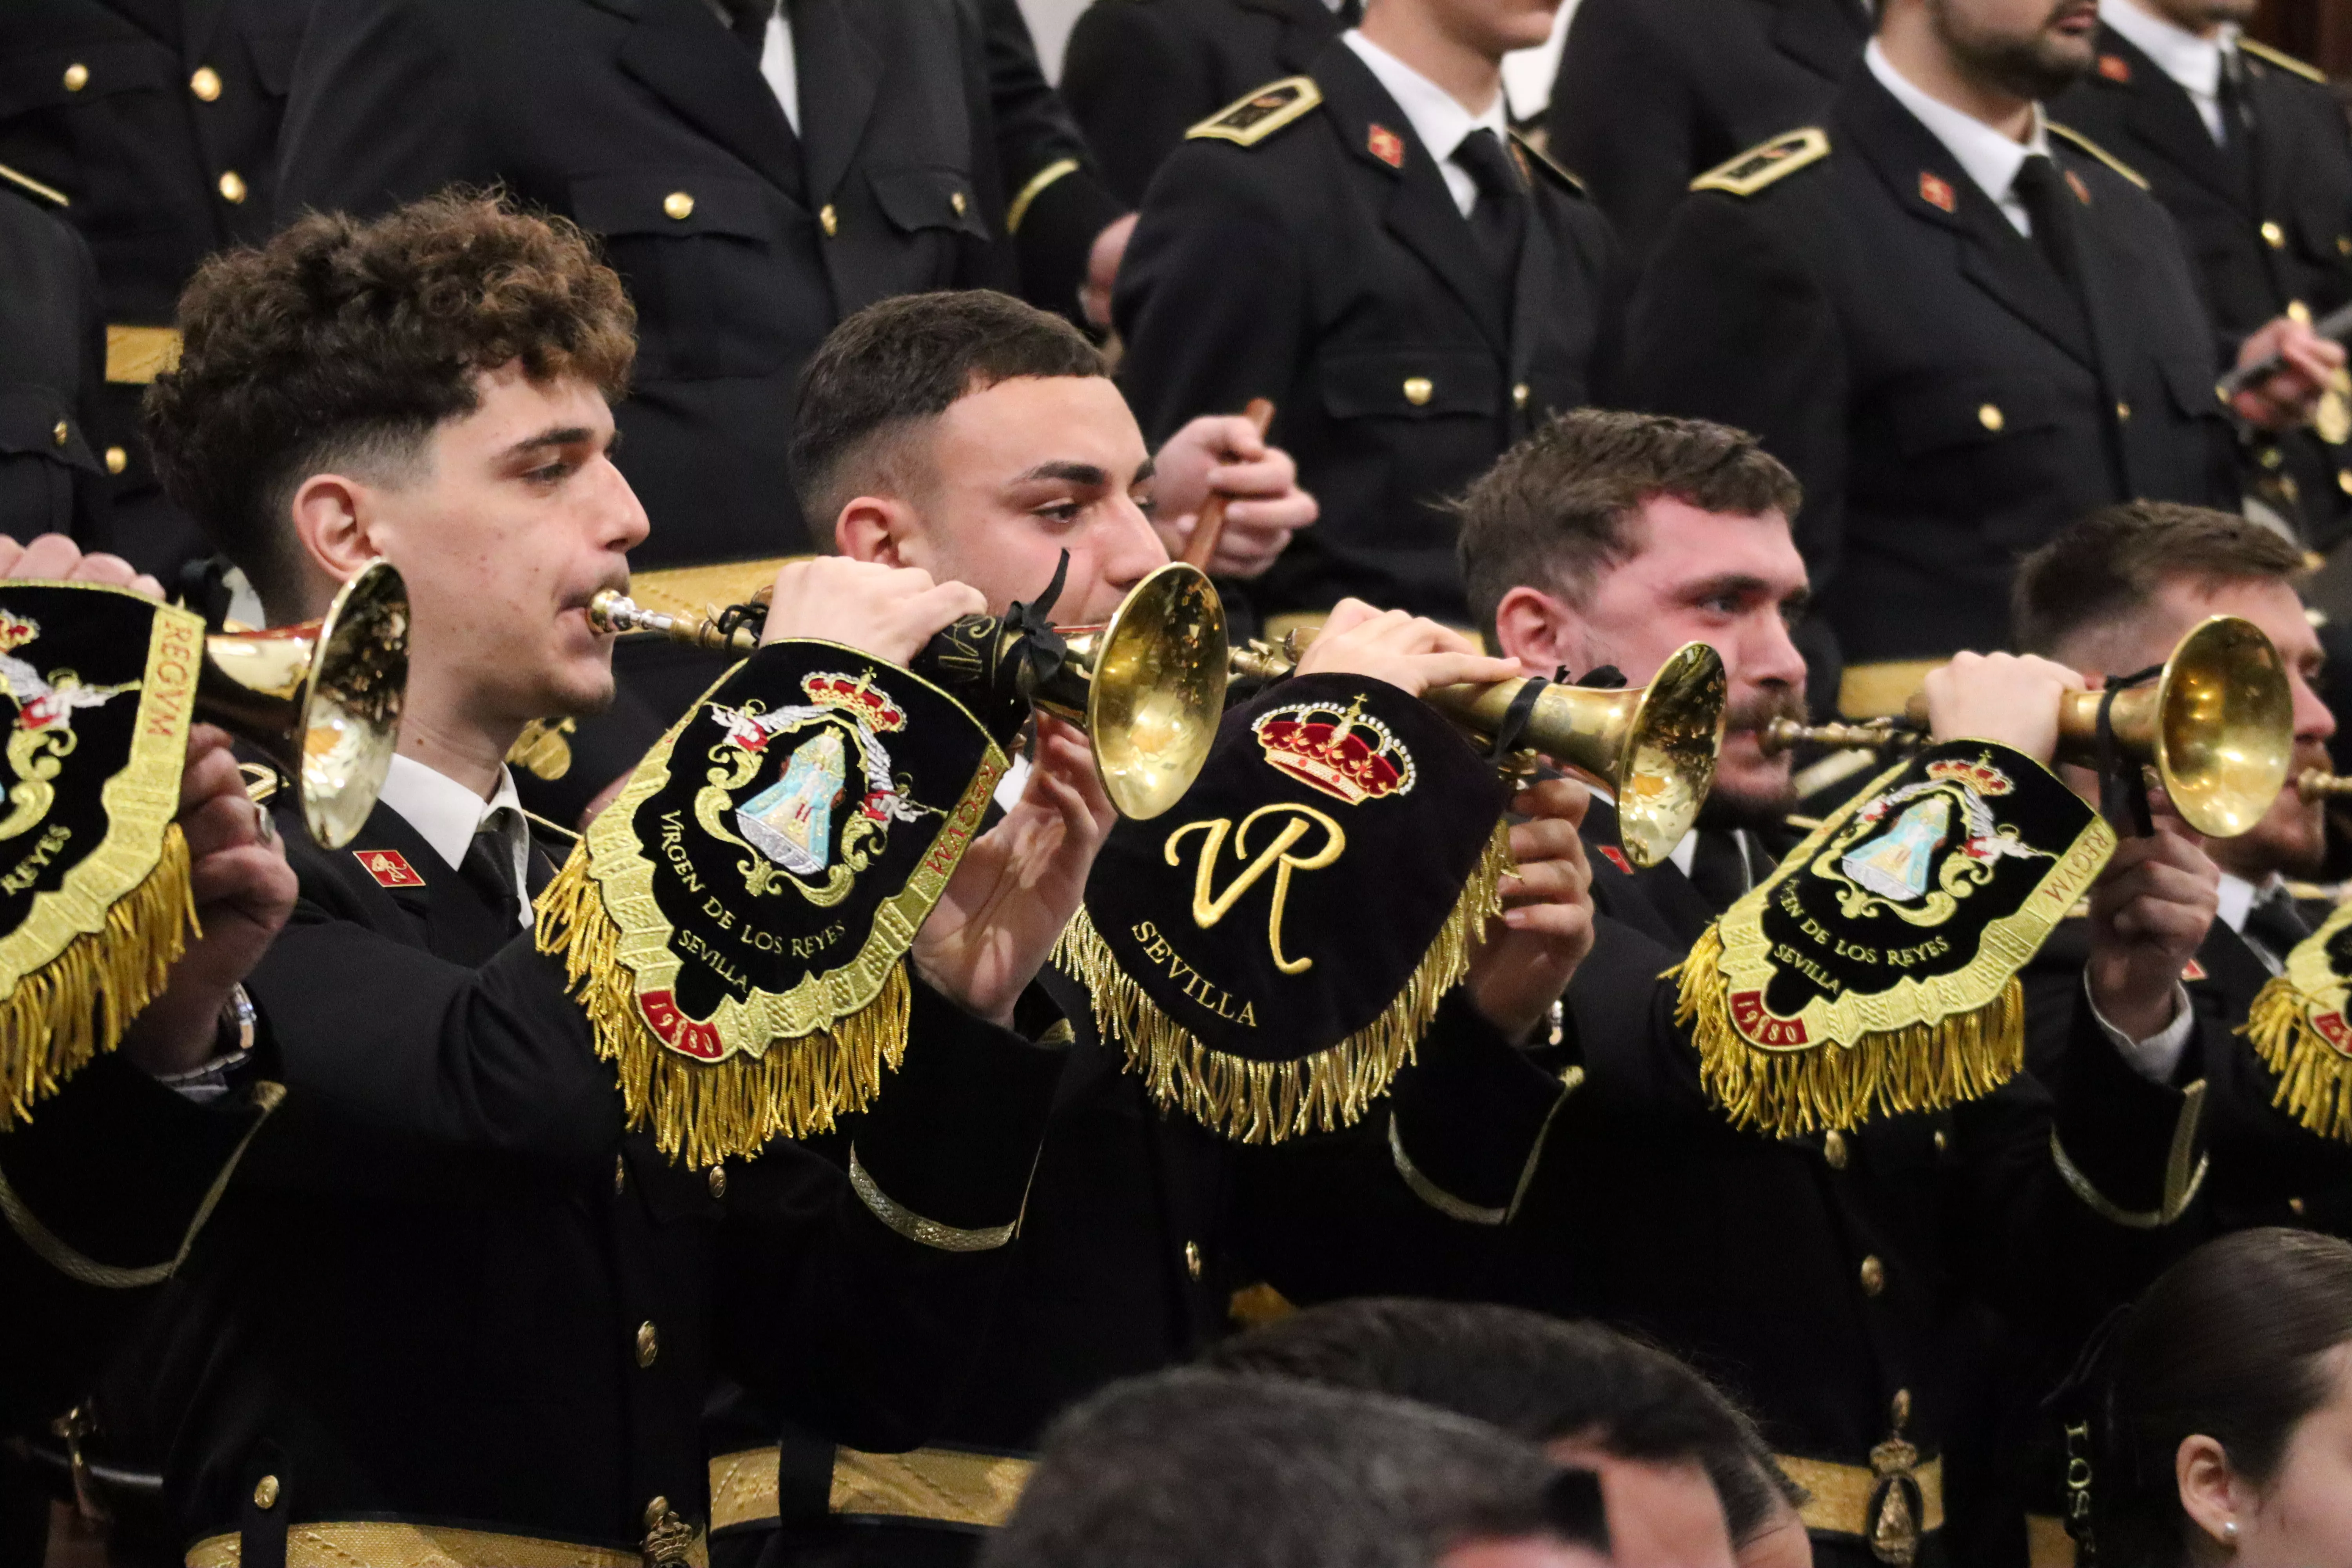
[15,632]
[857,698]
[1979,775]
[1344,753]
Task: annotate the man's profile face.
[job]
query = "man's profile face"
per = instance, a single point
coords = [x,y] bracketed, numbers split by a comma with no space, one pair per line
[1735,583]
[516,520]
[2290,839]
[1023,470]
[2032,49]
[1494,27]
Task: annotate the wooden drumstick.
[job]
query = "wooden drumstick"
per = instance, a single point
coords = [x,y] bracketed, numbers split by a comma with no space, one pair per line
[1211,520]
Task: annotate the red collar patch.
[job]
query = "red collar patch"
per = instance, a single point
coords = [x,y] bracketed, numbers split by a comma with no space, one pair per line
[1938,192]
[1386,145]
[388,866]
[1616,857]
[2075,184]
[2114,68]
[2192,970]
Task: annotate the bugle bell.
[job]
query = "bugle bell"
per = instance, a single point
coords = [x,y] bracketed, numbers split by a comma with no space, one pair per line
[320,700]
[2218,726]
[1653,747]
[1147,686]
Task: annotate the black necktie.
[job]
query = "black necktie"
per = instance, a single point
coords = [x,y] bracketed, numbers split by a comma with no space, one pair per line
[1499,216]
[1718,869]
[2275,923]
[749,19]
[2049,204]
[488,869]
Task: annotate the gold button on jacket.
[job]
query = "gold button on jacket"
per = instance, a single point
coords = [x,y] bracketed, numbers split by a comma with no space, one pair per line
[678,204]
[206,84]
[231,186]
[77,76]
[648,1343]
[1873,1276]
[1418,390]
[1990,417]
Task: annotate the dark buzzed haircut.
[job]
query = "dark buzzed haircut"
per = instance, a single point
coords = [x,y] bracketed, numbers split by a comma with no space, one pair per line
[1186,1468]
[900,364]
[340,345]
[1536,1376]
[1562,504]
[2106,567]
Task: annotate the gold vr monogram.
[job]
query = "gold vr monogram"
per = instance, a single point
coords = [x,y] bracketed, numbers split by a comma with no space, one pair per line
[1208,907]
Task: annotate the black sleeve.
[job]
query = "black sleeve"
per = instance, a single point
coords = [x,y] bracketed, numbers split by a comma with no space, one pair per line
[93,491]
[1134,89]
[1620,121]
[380,112]
[1053,217]
[1212,301]
[1729,323]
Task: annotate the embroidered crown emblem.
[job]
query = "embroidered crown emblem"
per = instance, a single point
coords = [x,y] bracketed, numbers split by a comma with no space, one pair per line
[1979,775]
[857,698]
[15,632]
[1343,753]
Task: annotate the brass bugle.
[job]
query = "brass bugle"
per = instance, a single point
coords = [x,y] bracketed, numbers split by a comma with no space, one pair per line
[1653,747]
[2318,784]
[320,699]
[2218,726]
[1148,686]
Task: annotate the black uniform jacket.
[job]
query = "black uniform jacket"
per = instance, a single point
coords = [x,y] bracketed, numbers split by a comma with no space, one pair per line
[446,1286]
[158,120]
[1308,268]
[741,242]
[1816,1278]
[1650,92]
[52,349]
[1925,372]
[1136,73]
[2267,218]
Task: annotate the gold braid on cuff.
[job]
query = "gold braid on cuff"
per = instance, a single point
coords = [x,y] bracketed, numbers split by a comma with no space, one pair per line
[1452,1207]
[2182,1178]
[915,1227]
[1034,189]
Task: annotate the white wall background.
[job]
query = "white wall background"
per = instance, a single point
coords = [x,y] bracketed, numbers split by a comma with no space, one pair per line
[1527,76]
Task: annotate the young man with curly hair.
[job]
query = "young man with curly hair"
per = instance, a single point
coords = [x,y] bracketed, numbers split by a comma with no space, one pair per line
[452,1309]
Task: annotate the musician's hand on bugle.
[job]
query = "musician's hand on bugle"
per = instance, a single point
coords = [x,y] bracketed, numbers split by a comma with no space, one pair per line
[1223,454]
[2009,698]
[2284,399]
[1406,651]
[1019,883]
[244,892]
[890,611]
[1546,928]
[2150,909]
[53,558]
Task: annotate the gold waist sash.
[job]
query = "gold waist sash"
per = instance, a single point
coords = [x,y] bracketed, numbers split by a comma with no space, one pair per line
[137,355]
[943,1486]
[390,1544]
[1842,1494]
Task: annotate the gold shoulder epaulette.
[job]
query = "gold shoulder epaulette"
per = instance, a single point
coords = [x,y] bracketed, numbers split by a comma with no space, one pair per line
[1536,157]
[1765,161]
[33,187]
[2083,142]
[1257,115]
[2284,62]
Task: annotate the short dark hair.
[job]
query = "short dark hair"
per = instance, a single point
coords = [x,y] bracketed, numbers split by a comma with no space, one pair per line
[1561,505]
[1536,1376]
[904,361]
[343,343]
[1187,1468]
[2108,566]
[2228,1343]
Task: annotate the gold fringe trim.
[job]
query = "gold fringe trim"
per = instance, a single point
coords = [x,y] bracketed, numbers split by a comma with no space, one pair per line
[708,1111]
[2315,1077]
[1265,1103]
[76,1005]
[1786,1094]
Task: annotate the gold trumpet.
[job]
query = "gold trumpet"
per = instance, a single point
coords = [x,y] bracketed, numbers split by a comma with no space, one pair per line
[2318,784]
[1147,686]
[2218,726]
[1653,747]
[320,700]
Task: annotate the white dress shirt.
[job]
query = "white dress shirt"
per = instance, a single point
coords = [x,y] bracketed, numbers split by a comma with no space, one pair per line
[2195,63]
[1986,155]
[1435,116]
[778,62]
[446,815]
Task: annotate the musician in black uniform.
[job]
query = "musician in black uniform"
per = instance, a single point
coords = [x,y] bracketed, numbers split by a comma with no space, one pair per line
[1960,328]
[1832,1281]
[1651,93]
[2116,590]
[1136,73]
[449,1300]
[2247,148]
[980,441]
[158,121]
[52,358]
[1410,284]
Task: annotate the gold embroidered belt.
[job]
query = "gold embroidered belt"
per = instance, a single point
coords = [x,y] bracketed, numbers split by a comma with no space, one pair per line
[139,354]
[1881,690]
[1848,1498]
[389,1544]
[942,1486]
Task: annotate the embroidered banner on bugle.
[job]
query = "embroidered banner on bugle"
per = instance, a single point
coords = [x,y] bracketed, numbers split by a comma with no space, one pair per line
[736,923]
[1875,971]
[2297,1026]
[1269,954]
[94,895]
